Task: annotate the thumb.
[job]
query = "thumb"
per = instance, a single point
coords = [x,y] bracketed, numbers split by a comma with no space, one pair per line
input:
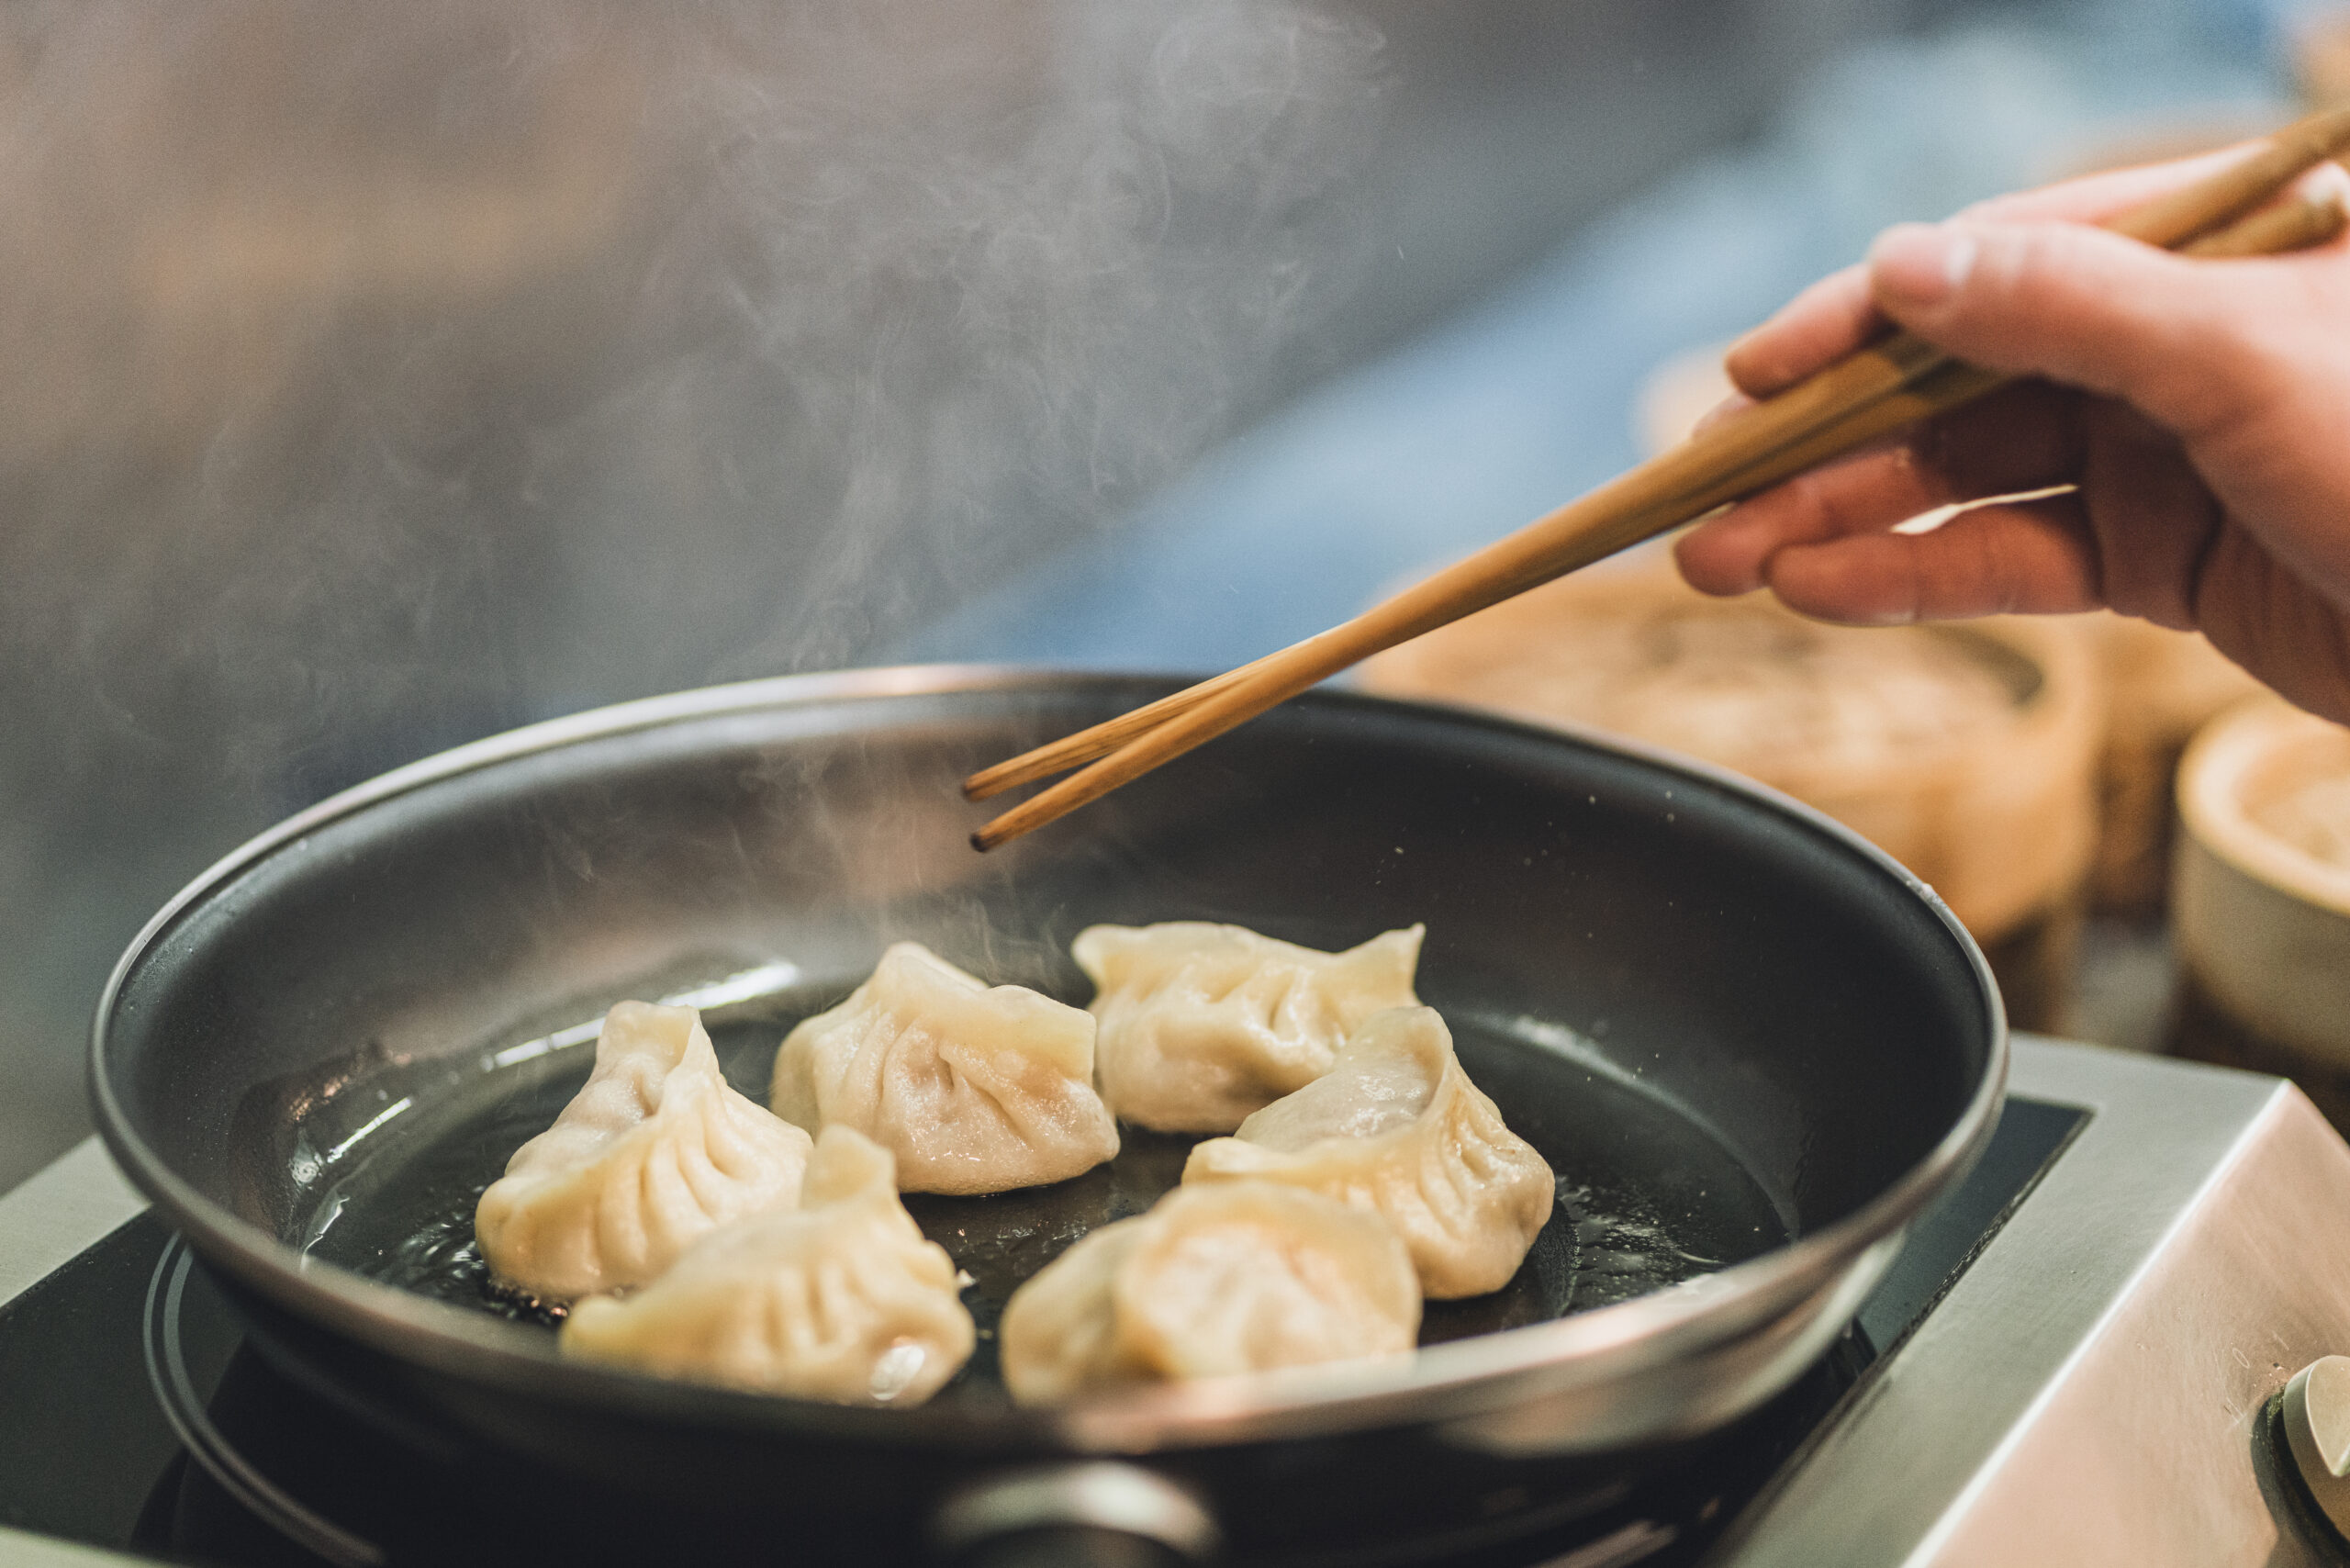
[2080,305]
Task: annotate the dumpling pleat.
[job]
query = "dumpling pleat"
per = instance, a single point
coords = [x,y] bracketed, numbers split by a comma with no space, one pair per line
[653,1152]
[1467,1194]
[816,1303]
[1203,1024]
[974,1089]
[1216,1280]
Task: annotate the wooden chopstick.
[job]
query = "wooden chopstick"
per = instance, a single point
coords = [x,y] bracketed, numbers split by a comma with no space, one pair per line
[1922,385]
[1072,751]
[2295,225]
[2286,227]
[1893,382]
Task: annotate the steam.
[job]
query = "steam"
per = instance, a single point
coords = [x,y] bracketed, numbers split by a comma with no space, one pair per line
[373,377]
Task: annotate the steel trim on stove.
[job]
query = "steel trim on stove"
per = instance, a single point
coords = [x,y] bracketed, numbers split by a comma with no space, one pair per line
[2088,1388]
[70,1204]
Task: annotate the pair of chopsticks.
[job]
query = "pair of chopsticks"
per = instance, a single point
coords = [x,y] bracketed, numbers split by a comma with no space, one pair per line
[1893,382]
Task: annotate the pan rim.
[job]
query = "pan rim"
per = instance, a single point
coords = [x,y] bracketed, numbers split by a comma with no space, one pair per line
[1460,1378]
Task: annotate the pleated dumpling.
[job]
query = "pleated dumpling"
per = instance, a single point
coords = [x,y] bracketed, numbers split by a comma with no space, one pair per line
[1396,1128]
[840,1299]
[1217,1280]
[654,1152]
[974,1089]
[1203,1024]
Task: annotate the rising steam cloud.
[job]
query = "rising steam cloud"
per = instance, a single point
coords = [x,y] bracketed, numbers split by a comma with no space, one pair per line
[374,376]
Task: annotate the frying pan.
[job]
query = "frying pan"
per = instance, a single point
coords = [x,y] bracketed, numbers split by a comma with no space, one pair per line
[1751,1045]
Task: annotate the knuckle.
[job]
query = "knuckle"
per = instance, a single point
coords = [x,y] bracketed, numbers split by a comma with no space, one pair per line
[2035,272]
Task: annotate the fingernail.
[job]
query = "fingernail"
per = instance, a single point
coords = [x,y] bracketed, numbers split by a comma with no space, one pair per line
[2329,185]
[1921,264]
[1720,411]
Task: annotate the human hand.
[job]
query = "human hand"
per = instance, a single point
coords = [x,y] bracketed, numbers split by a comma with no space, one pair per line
[2202,407]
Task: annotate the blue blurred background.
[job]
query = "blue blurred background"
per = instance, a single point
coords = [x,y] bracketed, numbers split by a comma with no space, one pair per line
[1529,396]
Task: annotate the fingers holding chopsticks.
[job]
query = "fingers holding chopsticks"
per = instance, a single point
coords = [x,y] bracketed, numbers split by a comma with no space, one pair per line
[2023,438]
[2087,309]
[1842,312]
[2134,357]
[2030,557]
[2138,535]
[1840,544]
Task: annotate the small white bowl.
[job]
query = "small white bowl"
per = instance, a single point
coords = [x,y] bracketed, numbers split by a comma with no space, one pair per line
[2260,893]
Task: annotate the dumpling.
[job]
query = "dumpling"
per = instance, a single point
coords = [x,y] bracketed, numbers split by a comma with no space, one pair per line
[653,1153]
[1231,1277]
[1058,1332]
[975,1089]
[1395,1128]
[1203,1024]
[839,1300]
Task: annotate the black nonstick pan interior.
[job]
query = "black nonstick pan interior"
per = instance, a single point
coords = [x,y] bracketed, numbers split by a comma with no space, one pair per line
[1647,1197]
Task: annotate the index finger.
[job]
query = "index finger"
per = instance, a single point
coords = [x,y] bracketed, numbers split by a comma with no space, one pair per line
[1838,314]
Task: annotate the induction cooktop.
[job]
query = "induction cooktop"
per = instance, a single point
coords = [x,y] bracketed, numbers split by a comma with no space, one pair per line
[2075,1357]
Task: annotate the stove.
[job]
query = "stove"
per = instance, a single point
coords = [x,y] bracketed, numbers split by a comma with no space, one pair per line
[2078,1356]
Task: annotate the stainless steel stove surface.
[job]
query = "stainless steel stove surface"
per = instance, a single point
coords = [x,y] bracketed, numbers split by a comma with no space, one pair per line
[2078,1358]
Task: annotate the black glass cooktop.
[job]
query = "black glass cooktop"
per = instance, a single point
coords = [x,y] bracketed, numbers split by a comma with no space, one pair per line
[134,1415]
